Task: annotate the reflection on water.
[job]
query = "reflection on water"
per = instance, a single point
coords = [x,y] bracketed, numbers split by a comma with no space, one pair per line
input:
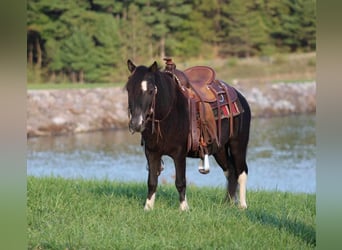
[281,156]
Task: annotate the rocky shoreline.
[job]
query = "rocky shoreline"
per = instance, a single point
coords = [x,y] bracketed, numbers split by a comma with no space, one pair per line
[55,112]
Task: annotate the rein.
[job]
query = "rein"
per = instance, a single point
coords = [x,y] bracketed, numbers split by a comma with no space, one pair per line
[151,115]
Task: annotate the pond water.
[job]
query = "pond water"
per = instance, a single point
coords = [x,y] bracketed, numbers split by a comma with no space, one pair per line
[281,156]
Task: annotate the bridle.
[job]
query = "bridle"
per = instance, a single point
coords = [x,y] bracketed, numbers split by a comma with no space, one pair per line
[149,115]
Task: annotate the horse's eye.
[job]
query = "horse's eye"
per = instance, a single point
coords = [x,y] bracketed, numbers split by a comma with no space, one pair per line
[151,91]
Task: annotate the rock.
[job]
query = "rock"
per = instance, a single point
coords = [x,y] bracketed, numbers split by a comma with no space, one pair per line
[52,112]
[282,99]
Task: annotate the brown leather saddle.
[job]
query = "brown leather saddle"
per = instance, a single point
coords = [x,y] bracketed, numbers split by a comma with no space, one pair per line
[209,100]
[203,79]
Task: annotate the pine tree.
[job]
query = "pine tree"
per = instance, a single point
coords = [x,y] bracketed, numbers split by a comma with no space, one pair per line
[91,40]
[248,33]
[78,55]
[164,18]
[107,49]
[136,35]
[206,22]
[306,33]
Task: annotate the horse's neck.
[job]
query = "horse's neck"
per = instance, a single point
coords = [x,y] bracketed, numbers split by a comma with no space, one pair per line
[166,95]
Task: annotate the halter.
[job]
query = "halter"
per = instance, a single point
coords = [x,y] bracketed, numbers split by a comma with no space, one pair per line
[150,115]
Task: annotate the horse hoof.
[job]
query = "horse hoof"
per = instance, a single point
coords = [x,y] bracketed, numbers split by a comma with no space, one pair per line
[184,207]
[203,171]
[148,208]
[243,206]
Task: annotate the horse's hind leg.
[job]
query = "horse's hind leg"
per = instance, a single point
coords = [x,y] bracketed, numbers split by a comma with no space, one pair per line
[225,162]
[238,155]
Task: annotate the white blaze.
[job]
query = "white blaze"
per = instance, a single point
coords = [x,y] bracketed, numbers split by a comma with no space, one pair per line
[150,203]
[140,120]
[144,86]
[242,180]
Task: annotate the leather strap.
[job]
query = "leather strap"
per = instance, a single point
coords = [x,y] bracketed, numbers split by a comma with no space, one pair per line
[195,137]
[218,114]
[231,130]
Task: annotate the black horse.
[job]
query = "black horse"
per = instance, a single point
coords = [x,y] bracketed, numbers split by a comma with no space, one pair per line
[154,93]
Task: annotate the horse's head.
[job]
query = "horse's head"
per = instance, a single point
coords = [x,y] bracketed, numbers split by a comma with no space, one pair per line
[142,92]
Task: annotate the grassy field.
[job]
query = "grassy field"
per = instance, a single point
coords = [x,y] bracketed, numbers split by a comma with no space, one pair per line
[277,68]
[80,214]
[282,67]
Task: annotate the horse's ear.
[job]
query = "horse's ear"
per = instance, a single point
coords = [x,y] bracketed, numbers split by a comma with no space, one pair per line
[154,67]
[131,66]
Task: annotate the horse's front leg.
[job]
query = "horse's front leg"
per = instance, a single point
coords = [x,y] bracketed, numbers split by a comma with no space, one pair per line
[180,164]
[152,182]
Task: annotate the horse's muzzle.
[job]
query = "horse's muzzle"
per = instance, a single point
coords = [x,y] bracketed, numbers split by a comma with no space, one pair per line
[136,124]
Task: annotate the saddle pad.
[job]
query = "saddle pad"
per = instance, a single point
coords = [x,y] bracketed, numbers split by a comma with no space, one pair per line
[229,89]
[225,112]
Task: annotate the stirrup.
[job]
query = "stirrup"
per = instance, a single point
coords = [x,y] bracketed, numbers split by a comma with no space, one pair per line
[204,168]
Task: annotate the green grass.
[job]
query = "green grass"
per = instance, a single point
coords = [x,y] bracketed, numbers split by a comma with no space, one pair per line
[255,70]
[80,214]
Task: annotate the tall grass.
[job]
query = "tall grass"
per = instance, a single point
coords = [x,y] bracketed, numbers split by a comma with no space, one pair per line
[80,214]
[281,67]
[259,70]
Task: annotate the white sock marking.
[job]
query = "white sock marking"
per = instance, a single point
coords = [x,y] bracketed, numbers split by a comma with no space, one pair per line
[184,205]
[150,203]
[144,86]
[242,180]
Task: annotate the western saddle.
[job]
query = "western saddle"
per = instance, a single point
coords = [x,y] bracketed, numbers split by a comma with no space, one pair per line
[209,101]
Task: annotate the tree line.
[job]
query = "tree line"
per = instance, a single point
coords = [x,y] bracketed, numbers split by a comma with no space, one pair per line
[90,40]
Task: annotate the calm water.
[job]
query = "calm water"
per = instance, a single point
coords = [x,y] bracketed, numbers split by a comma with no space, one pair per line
[281,156]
